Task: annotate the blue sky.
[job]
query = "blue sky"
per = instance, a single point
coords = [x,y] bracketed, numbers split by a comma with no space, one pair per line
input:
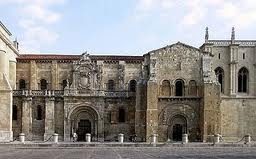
[123,27]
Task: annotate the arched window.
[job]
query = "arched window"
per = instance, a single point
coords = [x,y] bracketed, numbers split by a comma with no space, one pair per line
[64,84]
[132,86]
[166,89]
[179,88]
[43,84]
[121,115]
[39,113]
[111,85]
[22,84]
[243,77]
[192,88]
[219,72]
[14,112]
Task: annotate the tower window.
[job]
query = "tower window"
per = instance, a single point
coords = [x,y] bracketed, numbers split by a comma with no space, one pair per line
[179,88]
[219,55]
[219,72]
[243,77]
[243,55]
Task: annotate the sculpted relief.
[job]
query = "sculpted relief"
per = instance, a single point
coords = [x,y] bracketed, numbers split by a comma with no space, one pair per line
[86,75]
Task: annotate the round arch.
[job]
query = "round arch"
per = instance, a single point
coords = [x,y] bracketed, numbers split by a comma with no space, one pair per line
[84,119]
[177,125]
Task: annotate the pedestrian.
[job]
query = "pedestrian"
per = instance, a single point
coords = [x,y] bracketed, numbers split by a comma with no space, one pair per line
[74,137]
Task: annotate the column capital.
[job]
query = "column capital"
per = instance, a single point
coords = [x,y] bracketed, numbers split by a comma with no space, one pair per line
[27,98]
[50,98]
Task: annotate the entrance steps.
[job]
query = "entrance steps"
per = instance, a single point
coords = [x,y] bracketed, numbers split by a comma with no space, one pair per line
[28,144]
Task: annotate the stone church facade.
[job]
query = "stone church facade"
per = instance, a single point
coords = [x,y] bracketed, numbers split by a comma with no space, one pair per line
[170,91]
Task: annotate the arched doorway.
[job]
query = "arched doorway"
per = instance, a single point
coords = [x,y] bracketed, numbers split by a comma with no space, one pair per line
[84,119]
[84,127]
[177,127]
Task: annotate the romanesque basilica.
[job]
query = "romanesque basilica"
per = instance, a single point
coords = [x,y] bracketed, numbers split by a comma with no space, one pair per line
[174,90]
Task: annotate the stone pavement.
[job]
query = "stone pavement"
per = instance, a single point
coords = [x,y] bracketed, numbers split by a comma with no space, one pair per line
[41,144]
[128,153]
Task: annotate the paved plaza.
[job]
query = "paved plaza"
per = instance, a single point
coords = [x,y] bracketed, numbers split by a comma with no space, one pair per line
[126,153]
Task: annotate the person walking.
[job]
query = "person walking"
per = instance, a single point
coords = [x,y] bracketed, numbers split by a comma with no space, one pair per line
[74,137]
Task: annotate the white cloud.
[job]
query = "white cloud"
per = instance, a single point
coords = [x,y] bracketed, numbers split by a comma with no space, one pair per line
[241,14]
[34,37]
[35,19]
[145,8]
[36,12]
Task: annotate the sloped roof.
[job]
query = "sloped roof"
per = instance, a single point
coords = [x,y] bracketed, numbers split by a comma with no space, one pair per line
[180,43]
[77,57]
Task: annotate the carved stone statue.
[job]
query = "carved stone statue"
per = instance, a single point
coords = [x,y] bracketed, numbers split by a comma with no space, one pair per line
[85,74]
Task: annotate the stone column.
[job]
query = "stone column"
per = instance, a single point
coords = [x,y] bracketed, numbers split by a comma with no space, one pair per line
[33,76]
[54,72]
[49,117]
[233,69]
[27,117]
[152,111]
[100,129]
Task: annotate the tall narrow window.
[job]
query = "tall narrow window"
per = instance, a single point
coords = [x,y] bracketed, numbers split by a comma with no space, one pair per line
[243,55]
[132,86]
[43,84]
[39,113]
[14,112]
[192,88]
[64,84]
[22,84]
[166,89]
[179,88]
[219,72]
[121,117]
[111,85]
[219,55]
[243,77]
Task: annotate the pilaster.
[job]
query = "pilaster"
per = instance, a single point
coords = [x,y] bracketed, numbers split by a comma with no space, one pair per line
[27,117]
[33,76]
[211,116]
[54,72]
[152,111]
[49,117]
[140,111]
[233,69]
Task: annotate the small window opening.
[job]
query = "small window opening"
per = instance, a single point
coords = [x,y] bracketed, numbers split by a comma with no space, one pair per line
[14,112]
[121,117]
[39,113]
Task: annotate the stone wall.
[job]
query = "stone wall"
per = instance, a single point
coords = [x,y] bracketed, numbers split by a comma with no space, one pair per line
[237,118]
[170,108]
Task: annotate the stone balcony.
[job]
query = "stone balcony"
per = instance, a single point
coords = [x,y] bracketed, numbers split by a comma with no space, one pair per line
[62,93]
